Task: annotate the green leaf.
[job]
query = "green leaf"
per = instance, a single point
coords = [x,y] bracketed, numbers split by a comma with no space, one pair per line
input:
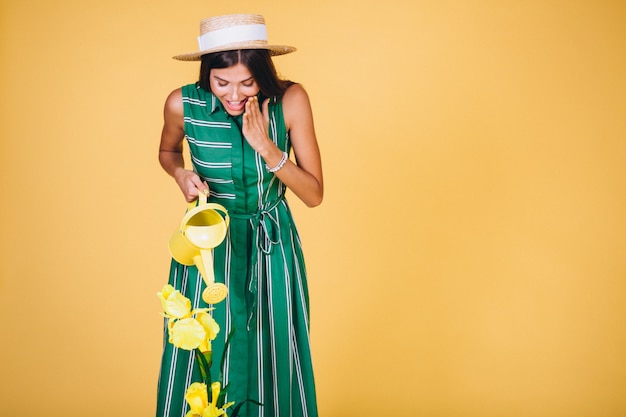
[205,368]
[222,397]
[238,406]
[226,345]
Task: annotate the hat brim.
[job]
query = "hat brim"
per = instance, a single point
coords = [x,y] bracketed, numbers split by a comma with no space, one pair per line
[274,50]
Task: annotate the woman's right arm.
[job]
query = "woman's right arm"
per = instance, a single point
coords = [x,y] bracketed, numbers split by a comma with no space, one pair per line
[171,148]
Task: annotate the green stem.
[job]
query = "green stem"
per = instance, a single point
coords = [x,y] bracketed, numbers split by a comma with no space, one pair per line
[205,369]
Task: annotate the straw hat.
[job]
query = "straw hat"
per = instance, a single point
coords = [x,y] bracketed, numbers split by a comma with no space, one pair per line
[232,32]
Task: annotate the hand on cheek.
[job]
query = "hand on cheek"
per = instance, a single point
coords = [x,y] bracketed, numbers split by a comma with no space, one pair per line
[255,123]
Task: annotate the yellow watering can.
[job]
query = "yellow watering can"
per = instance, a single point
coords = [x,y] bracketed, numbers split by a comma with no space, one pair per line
[202,229]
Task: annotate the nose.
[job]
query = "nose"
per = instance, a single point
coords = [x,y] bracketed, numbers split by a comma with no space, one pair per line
[234,93]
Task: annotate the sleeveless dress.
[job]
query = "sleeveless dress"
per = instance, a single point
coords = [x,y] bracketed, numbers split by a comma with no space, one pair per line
[262,264]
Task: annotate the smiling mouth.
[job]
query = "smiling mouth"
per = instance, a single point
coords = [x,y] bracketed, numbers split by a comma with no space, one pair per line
[237,105]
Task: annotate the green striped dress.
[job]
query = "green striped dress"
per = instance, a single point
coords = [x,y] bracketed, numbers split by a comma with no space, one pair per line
[261,262]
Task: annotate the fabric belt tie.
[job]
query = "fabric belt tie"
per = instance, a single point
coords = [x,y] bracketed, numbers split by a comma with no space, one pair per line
[265,234]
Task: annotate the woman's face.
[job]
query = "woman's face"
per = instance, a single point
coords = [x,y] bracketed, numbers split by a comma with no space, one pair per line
[233,86]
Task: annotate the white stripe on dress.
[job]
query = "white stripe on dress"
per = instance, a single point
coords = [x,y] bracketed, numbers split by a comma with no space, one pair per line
[215,165]
[194,101]
[174,359]
[197,122]
[228,319]
[259,347]
[294,354]
[270,297]
[207,144]
[192,359]
[217,180]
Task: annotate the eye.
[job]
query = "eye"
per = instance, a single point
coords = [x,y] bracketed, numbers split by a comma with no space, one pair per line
[248,84]
[222,84]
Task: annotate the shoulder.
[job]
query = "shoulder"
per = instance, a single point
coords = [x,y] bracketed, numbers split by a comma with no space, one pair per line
[174,111]
[296,104]
[295,95]
[174,102]
[190,91]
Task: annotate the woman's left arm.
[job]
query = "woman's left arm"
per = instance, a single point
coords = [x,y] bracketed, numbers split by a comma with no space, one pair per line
[304,177]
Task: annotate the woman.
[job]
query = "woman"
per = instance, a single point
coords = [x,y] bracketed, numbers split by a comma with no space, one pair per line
[241,122]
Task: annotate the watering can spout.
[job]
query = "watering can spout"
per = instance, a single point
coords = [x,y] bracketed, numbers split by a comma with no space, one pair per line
[214,292]
[204,263]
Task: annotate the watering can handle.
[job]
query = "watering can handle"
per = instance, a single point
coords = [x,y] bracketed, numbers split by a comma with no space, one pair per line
[219,207]
[202,201]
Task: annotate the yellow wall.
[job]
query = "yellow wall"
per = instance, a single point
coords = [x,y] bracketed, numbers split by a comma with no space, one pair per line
[469,258]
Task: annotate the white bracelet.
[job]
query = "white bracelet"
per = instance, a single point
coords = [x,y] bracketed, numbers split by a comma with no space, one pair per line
[280,164]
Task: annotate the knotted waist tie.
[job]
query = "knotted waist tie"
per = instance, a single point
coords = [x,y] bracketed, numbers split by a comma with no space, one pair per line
[265,234]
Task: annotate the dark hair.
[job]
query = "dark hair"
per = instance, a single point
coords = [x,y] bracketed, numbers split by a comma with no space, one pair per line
[259,63]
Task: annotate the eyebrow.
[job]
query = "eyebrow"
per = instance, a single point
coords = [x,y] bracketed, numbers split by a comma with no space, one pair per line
[227,81]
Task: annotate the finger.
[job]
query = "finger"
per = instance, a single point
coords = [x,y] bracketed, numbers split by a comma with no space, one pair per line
[252,117]
[249,113]
[191,195]
[199,185]
[250,105]
[206,189]
[246,125]
[266,112]
[256,109]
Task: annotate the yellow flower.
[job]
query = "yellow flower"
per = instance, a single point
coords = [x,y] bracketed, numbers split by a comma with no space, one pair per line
[212,410]
[197,398]
[187,334]
[211,328]
[215,392]
[174,303]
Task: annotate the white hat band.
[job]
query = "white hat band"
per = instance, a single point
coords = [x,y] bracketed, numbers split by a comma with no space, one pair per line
[226,36]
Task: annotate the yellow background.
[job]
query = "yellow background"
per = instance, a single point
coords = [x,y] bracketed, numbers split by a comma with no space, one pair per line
[469,257]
